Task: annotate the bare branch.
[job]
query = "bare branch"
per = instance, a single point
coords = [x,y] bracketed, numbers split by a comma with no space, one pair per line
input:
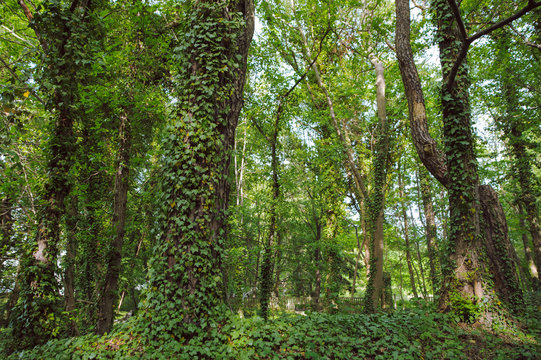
[531,5]
[526,41]
[464,50]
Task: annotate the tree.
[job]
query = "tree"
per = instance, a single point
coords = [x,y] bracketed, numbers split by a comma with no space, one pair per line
[467,281]
[211,69]
[64,33]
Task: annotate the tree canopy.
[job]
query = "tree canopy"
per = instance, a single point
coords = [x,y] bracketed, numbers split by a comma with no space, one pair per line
[278,179]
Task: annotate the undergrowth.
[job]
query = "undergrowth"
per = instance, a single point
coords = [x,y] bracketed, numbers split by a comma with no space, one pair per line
[417,333]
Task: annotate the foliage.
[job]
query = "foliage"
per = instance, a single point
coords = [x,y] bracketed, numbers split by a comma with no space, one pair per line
[417,333]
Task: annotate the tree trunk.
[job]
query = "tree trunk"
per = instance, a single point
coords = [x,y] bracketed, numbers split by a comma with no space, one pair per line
[466,279]
[532,268]
[500,250]
[109,293]
[186,266]
[69,273]
[376,203]
[317,263]
[430,226]
[406,233]
[40,296]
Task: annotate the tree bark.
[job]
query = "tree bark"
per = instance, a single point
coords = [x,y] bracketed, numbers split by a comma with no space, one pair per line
[39,286]
[406,233]
[69,273]
[532,268]
[466,273]
[109,293]
[186,267]
[430,226]
[500,249]
[376,203]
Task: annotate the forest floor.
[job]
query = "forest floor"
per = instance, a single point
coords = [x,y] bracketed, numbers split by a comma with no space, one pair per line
[418,332]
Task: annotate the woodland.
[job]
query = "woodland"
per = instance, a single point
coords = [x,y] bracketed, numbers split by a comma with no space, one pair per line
[281,179]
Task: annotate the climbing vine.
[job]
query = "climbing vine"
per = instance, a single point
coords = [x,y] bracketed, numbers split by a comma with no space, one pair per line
[185,272]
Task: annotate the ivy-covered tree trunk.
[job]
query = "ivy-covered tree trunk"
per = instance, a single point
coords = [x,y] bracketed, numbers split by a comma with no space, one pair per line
[466,272]
[63,34]
[267,266]
[109,293]
[466,276]
[185,269]
[376,202]
[69,267]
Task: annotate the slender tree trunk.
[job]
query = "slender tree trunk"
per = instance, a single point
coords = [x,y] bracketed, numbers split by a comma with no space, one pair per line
[109,293]
[430,226]
[39,286]
[376,203]
[406,233]
[532,268]
[317,263]
[357,258]
[69,273]
[268,260]
[421,269]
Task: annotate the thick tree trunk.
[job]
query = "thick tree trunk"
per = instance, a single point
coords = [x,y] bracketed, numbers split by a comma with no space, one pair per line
[467,283]
[186,267]
[109,293]
[500,250]
[39,286]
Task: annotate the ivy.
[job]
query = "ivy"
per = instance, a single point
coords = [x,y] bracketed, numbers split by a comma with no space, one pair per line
[184,296]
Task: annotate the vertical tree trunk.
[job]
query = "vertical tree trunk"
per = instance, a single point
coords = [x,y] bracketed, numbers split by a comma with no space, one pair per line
[109,293]
[467,279]
[69,273]
[421,270]
[532,268]
[39,286]
[376,203]
[466,272]
[430,226]
[499,249]
[357,258]
[406,233]
[185,270]
[317,263]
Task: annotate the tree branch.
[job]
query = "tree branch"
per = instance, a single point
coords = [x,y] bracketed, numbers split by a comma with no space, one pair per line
[468,40]
[458,18]
[531,5]
[30,17]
